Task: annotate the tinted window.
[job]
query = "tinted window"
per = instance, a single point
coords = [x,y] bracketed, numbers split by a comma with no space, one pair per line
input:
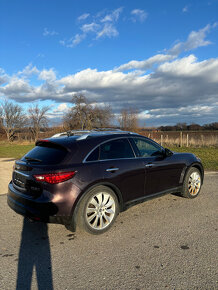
[94,155]
[47,155]
[147,148]
[116,149]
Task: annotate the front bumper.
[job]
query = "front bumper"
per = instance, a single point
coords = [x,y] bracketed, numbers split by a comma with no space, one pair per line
[41,209]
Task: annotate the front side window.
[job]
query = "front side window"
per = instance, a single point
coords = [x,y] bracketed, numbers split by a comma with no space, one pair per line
[116,149]
[147,148]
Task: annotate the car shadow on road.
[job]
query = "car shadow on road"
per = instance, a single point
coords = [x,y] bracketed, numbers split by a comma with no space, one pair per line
[34,253]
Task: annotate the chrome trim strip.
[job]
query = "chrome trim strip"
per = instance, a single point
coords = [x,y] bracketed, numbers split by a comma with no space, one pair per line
[112,169]
[149,165]
[26,175]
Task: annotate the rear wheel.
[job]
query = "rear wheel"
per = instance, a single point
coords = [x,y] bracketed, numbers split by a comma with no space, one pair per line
[98,210]
[192,183]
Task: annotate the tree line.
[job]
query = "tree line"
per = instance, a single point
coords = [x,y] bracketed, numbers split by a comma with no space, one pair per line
[82,115]
[190,127]
[13,118]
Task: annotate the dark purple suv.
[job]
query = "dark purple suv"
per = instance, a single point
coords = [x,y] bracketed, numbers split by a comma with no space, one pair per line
[88,178]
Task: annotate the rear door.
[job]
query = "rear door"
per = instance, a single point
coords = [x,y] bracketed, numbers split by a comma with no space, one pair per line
[120,167]
[161,172]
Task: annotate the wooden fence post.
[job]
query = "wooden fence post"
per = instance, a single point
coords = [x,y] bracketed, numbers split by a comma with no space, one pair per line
[187,141]
[181,139]
[161,140]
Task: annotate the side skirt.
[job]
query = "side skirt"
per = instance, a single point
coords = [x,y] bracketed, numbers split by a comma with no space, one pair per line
[151,196]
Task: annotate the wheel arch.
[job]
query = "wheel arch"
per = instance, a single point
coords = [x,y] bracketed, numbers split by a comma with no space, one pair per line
[199,167]
[74,212]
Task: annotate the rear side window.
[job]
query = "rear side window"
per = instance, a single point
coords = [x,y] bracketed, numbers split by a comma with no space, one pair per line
[116,149]
[45,155]
[94,156]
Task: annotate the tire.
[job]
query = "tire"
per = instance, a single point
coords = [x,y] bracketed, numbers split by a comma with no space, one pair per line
[192,183]
[98,210]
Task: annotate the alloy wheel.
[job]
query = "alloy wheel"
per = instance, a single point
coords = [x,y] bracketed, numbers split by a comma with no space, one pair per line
[100,210]
[194,183]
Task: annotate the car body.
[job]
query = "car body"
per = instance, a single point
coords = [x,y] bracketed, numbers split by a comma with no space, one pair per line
[70,179]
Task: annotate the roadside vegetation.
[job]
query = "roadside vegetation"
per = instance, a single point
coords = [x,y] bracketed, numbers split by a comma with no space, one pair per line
[208,155]
[14,150]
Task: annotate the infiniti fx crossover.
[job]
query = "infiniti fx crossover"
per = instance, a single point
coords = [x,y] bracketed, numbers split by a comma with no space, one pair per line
[85,178]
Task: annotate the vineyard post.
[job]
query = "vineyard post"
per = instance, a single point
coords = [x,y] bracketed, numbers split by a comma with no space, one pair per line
[187,137]
[181,139]
[161,140]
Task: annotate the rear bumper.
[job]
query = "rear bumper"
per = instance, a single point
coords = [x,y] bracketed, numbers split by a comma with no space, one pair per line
[37,209]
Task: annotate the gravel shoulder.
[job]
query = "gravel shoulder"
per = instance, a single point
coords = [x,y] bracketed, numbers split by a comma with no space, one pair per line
[6,167]
[165,243]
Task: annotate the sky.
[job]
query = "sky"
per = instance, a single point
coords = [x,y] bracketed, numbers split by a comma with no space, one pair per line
[158,57]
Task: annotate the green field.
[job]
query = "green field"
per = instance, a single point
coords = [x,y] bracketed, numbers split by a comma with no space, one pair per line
[14,150]
[208,155]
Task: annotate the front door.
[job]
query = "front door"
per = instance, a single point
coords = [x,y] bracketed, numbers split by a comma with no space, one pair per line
[161,172]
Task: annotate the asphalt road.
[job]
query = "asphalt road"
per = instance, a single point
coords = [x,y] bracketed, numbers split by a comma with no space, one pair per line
[166,243]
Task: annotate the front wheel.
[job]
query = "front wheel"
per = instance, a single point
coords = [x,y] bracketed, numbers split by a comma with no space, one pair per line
[192,183]
[98,210]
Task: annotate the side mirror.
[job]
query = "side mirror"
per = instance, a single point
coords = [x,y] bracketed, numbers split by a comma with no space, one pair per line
[168,152]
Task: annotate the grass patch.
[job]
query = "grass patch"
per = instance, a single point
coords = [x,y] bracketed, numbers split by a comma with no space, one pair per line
[208,155]
[14,150]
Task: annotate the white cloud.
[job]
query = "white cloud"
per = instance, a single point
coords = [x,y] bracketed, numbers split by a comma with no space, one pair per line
[109,30]
[90,27]
[189,114]
[83,17]
[77,39]
[62,108]
[138,15]
[113,16]
[175,87]
[47,32]
[195,39]
[47,75]
[101,26]
[3,76]
[185,9]
[73,41]
[28,71]
[145,64]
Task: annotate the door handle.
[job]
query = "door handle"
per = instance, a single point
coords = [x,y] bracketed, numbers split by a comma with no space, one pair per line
[149,165]
[112,169]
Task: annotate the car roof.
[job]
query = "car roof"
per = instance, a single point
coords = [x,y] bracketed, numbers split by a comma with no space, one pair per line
[80,144]
[84,134]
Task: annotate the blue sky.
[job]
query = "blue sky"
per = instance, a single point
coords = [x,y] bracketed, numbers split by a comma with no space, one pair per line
[159,57]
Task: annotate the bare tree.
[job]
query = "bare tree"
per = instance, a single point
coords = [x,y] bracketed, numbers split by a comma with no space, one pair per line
[86,116]
[12,118]
[37,119]
[128,119]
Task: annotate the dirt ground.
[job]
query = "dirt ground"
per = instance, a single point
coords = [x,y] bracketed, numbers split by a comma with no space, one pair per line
[6,166]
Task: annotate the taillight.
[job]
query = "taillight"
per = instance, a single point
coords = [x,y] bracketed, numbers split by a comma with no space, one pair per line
[54,178]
